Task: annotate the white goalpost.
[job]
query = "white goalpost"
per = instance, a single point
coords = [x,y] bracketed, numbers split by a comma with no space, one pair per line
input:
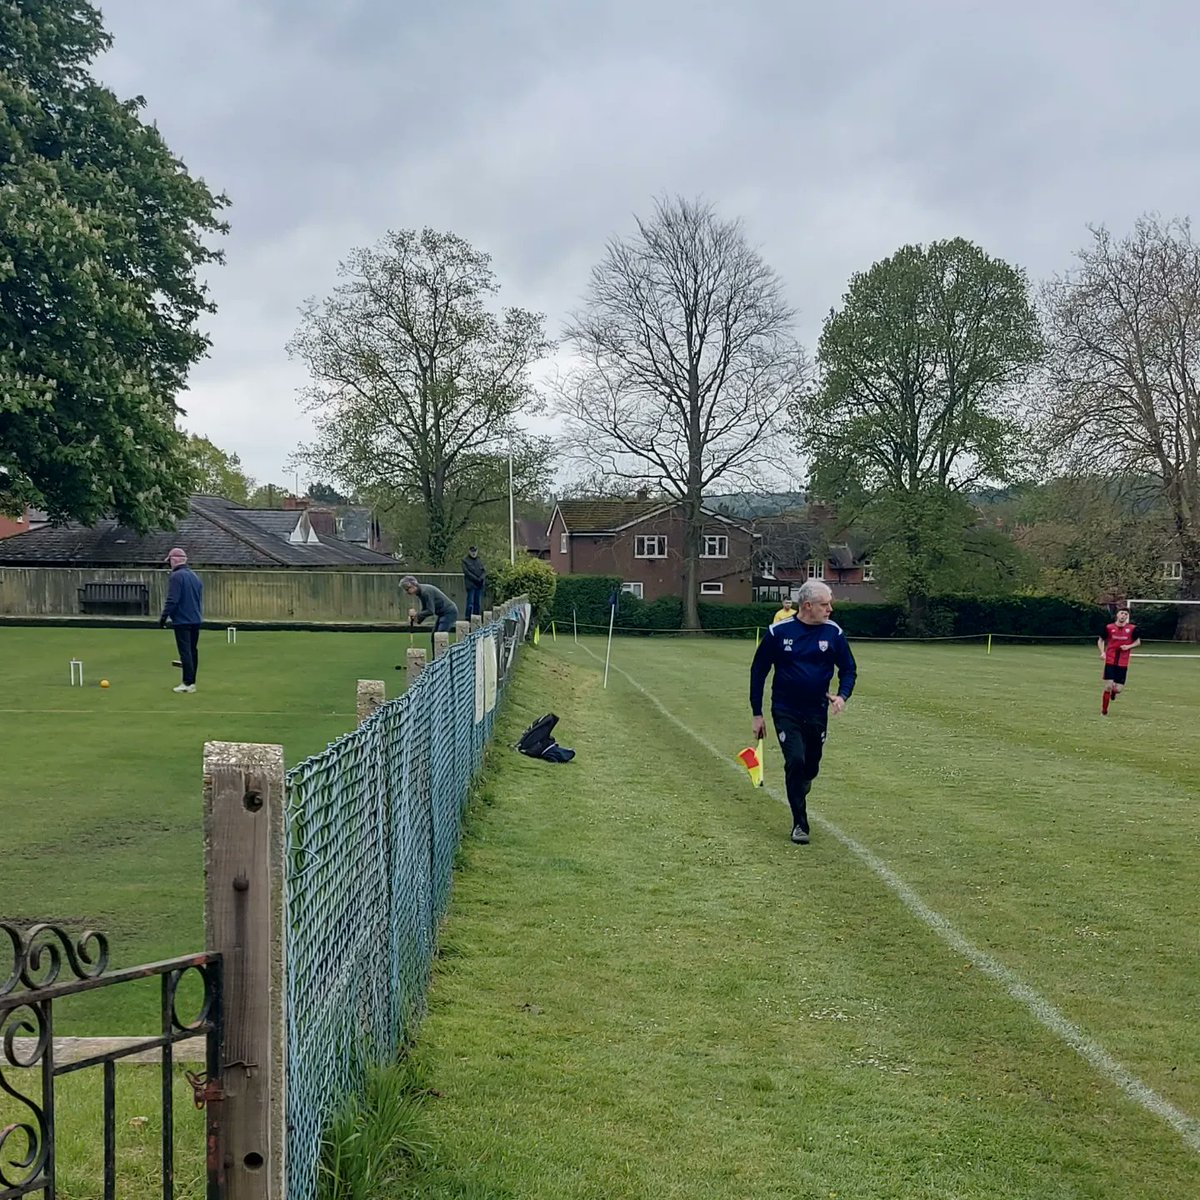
[1133,605]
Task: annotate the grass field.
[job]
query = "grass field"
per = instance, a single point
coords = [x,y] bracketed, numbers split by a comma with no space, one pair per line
[652,993]
[100,808]
[978,981]
[100,790]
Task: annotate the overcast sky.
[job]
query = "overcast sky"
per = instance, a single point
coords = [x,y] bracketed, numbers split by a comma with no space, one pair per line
[837,132]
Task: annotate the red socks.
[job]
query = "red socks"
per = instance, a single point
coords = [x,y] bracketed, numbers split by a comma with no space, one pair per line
[1104,703]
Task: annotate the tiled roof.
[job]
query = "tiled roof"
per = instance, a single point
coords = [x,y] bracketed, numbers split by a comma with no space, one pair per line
[532,534]
[607,516]
[603,516]
[215,533]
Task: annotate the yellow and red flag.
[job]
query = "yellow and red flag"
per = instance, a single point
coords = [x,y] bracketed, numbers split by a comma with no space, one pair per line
[752,759]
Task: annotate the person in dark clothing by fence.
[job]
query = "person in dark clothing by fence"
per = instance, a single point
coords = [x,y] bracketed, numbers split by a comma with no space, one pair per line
[184,608]
[475,581]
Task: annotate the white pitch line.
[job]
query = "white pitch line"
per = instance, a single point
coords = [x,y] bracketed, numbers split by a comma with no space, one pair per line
[1046,1014]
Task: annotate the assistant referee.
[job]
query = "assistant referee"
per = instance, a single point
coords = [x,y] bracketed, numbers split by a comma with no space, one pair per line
[804,652]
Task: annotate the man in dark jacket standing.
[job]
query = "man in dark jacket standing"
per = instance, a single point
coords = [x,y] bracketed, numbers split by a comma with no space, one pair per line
[185,610]
[475,580]
[803,652]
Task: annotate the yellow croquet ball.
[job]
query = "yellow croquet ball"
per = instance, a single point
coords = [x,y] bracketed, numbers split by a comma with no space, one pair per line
[104,683]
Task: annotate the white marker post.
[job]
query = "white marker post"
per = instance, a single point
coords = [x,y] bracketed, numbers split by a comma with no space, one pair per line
[612,614]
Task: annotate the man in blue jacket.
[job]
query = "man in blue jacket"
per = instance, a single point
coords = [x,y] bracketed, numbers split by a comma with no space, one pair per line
[803,651]
[185,610]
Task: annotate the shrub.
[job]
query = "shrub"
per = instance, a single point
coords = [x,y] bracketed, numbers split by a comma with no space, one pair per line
[528,576]
[585,598]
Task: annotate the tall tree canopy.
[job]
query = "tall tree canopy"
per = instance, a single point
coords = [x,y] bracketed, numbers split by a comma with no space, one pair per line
[688,364]
[1125,369]
[102,235]
[417,384]
[918,403]
[216,472]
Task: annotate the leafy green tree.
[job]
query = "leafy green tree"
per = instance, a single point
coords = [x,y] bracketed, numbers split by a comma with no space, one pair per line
[268,495]
[102,235]
[919,371]
[326,493]
[1093,539]
[417,384]
[918,403]
[216,472]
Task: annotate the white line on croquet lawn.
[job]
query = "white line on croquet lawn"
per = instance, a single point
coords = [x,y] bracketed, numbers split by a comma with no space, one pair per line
[1046,1013]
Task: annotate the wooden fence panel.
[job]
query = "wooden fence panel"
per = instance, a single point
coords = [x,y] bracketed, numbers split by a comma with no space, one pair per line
[231,595]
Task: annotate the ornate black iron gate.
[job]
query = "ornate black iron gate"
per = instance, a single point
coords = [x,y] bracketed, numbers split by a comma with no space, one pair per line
[28,995]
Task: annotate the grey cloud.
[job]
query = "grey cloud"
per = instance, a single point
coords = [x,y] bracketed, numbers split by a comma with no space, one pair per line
[537,129]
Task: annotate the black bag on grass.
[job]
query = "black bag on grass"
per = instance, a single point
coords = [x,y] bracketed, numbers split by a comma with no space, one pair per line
[538,741]
[539,737]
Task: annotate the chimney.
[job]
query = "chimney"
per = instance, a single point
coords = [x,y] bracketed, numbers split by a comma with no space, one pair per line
[323,521]
[643,493]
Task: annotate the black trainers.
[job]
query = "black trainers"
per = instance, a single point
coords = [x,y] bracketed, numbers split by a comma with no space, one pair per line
[799,836]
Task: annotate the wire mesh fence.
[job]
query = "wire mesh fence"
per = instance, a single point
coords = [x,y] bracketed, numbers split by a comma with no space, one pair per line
[374,822]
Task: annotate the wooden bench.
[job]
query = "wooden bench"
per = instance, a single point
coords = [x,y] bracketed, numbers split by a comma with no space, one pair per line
[129,599]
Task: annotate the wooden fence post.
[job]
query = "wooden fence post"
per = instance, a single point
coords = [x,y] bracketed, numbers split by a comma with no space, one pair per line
[441,643]
[462,630]
[415,660]
[245,851]
[371,695]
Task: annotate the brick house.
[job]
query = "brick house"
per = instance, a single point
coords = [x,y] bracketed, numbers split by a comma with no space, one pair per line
[642,541]
[794,551]
[31,518]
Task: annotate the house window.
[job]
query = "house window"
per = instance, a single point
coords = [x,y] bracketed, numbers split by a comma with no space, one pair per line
[1173,570]
[716,545]
[634,589]
[712,589]
[564,540]
[652,545]
[816,568]
[768,570]
[868,571]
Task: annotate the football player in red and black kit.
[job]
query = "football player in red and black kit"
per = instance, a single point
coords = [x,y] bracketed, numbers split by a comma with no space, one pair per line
[1116,643]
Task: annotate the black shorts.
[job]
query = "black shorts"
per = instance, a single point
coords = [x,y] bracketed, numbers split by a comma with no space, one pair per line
[1115,673]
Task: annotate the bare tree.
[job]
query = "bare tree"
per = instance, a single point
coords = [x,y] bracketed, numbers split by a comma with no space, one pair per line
[687,364]
[1125,360]
[416,383]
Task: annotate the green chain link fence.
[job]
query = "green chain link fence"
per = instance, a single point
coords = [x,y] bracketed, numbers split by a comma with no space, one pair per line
[374,822]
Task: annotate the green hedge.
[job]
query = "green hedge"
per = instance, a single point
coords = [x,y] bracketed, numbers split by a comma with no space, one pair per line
[1031,617]
[585,597]
[858,620]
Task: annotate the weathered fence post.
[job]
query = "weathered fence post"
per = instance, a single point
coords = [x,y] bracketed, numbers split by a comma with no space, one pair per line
[488,616]
[462,630]
[415,660]
[441,643]
[476,622]
[245,854]
[371,695]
